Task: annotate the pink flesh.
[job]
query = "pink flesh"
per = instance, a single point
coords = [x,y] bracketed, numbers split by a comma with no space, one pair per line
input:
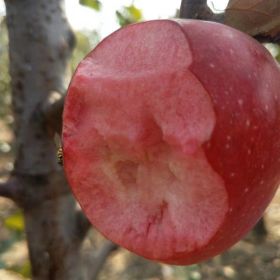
[136,122]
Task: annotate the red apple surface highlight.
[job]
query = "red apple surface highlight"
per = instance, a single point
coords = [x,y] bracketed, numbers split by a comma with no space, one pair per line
[171,137]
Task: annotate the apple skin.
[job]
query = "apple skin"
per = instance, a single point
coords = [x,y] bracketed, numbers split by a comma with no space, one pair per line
[171,137]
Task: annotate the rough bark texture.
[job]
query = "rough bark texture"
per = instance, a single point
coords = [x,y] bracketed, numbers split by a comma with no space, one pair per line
[40,43]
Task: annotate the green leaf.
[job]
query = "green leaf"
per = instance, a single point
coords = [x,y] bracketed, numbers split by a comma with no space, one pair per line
[122,19]
[128,14]
[135,13]
[15,222]
[25,269]
[93,4]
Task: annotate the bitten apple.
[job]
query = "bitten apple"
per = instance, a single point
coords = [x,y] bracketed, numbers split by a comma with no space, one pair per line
[171,137]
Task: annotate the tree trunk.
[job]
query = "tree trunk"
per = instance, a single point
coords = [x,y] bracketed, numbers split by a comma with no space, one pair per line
[40,43]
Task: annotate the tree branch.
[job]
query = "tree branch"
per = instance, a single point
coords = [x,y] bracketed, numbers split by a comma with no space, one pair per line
[98,260]
[198,9]
[52,110]
[40,188]
[20,188]
[82,225]
[11,189]
[268,39]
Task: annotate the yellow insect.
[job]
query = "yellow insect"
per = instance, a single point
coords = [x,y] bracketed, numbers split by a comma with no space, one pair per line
[59,155]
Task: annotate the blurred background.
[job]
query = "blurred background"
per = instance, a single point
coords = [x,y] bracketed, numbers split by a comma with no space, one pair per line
[257,257]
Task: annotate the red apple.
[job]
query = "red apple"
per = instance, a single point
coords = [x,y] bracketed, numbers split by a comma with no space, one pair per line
[171,137]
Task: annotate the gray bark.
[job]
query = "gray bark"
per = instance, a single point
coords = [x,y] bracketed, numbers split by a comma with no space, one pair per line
[198,9]
[40,43]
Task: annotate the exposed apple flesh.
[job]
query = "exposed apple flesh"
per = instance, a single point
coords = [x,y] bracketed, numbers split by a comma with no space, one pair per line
[171,137]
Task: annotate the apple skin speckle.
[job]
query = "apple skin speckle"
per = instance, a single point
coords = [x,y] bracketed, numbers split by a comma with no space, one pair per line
[171,140]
